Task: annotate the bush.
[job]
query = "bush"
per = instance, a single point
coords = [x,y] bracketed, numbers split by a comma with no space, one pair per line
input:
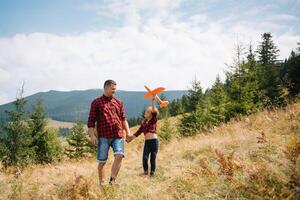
[78,141]
[17,139]
[49,146]
[204,118]
[189,125]
[45,141]
[167,131]
[26,140]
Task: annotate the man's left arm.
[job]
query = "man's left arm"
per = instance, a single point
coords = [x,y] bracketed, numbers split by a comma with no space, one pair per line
[124,120]
[126,127]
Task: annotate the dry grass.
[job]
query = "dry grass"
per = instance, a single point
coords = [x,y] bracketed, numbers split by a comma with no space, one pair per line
[255,158]
[58,124]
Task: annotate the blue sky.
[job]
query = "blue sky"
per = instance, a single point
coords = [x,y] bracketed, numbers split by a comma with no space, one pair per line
[61,17]
[77,44]
[78,16]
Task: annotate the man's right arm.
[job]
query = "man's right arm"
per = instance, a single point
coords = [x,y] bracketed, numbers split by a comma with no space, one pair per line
[92,136]
[91,122]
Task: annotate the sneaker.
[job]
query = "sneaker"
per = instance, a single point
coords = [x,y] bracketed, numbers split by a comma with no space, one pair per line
[143,174]
[152,174]
[103,183]
[113,182]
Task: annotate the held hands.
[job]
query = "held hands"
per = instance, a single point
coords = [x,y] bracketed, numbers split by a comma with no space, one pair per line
[129,138]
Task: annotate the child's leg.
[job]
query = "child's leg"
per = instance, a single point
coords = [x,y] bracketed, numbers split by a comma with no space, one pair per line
[154,150]
[146,156]
[153,162]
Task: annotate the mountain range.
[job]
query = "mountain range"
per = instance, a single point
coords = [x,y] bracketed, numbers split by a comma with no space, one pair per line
[73,105]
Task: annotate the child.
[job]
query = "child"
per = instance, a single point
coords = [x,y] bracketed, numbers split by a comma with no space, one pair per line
[148,127]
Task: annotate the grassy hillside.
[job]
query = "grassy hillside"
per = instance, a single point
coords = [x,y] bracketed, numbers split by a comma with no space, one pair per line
[254,158]
[59,124]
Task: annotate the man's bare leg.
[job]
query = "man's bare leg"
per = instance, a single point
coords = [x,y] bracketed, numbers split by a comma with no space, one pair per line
[101,172]
[115,168]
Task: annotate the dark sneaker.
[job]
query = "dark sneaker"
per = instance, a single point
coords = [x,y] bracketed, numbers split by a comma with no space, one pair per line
[113,182]
[152,174]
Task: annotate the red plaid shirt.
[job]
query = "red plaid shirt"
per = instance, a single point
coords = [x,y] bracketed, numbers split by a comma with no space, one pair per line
[109,114]
[148,126]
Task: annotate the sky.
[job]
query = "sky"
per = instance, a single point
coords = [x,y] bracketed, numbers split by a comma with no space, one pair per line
[78,44]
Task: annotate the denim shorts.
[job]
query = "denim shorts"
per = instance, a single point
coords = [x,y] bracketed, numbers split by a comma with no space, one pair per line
[104,144]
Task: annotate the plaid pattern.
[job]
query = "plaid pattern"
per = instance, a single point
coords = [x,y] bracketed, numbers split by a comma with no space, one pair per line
[109,113]
[148,126]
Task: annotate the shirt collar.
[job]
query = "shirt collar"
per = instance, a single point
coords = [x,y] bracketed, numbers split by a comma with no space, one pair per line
[107,98]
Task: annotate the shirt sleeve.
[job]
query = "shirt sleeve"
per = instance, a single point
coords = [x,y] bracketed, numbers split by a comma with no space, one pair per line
[154,117]
[122,112]
[139,131]
[92,115]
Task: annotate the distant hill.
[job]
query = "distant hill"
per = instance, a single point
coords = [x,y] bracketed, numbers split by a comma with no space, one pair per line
[72,105]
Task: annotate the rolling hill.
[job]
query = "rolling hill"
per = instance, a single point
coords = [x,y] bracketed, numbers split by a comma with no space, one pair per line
[72,105]
[256,157]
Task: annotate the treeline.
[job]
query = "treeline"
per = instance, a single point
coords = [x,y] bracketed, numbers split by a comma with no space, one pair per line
[25,139]
[255,80]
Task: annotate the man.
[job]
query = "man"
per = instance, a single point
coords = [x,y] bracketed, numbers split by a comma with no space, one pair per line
[109,114]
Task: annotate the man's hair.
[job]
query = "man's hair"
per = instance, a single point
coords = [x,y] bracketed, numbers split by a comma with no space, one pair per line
[109,83]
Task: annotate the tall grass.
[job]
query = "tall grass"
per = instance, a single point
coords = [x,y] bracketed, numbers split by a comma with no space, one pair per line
[257,157]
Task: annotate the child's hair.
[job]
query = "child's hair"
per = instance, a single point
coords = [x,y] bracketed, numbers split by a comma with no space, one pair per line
[155,109]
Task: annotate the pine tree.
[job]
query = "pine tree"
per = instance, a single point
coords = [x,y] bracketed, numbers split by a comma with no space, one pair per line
[267,57]
[195,95]
[267,50]
[244,87]
[290,73]
[211,112]
[234,76]
[17,139]
[249,85]
[219,100]
[185,103]
[252,92]
[166,132]
[202,119]
[175,107]
[189,124]
[45,141]
[78,141]
[235,84]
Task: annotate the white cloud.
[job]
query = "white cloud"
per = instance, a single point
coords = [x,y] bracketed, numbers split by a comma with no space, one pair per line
[4,76]
[156,55]
[198,19]
[155,48]
[258,10]
[287,42]
[284,17]
[135,12]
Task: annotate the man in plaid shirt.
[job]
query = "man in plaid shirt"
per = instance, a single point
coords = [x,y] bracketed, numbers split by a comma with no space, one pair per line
[109,114]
